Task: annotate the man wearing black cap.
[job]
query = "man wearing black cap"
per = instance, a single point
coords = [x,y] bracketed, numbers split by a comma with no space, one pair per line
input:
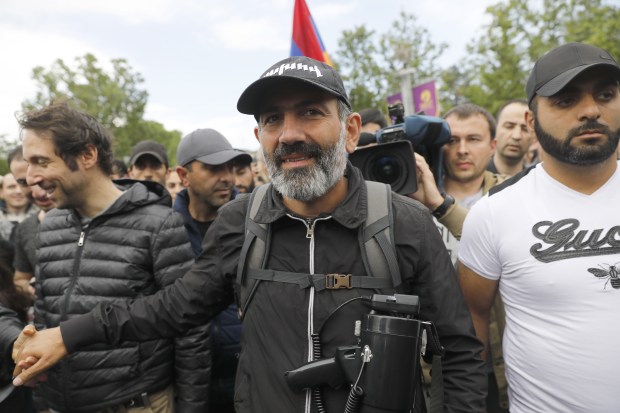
[315,212]
[149,162]
[555,261]
[206,161]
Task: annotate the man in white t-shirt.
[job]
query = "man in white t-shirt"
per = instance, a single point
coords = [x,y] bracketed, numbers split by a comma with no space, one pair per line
[549,240]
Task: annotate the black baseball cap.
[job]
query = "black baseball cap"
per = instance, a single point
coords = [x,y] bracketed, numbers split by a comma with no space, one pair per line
[299,68]
[554,70]
[149,147]
[209,147]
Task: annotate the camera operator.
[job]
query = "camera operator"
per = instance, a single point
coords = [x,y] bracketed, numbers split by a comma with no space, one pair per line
[466,180]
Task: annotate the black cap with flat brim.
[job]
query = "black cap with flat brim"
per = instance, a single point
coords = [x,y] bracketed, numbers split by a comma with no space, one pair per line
[297,68]
[148,147]
[556,69]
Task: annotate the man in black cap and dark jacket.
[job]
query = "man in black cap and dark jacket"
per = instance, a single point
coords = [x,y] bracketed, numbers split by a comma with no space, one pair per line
[315,209]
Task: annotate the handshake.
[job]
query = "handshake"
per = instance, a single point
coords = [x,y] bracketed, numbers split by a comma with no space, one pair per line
[34,352]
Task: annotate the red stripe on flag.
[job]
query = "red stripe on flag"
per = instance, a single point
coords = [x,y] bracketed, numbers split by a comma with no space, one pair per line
[304,35]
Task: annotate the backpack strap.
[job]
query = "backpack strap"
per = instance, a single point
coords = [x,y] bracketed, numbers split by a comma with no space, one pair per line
[254,251]
[376,240]
[320,281]
[377,236]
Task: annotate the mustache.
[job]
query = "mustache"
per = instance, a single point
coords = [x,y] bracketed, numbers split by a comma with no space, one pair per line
[590,125]
[222,187]
[303,148]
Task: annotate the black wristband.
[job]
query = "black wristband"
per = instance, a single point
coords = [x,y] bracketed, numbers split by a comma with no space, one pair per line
[441,210]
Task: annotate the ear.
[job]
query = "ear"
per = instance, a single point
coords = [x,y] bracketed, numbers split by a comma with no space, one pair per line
[353,127]
[89,158]
[529,120]
[183,175]
[493,144]
[256,134]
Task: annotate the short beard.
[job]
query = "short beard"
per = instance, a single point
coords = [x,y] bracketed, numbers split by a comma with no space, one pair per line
[583,156]
[308,183]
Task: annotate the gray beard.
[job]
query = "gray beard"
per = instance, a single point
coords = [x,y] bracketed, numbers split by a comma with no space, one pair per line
[311,182]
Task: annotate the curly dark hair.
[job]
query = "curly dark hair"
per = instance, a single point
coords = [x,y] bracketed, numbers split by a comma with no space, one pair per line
[72,132]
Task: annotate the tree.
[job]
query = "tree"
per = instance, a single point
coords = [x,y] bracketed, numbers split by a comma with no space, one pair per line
[360,71]
[520,31]
[6,145]
[115,98]
[369,63]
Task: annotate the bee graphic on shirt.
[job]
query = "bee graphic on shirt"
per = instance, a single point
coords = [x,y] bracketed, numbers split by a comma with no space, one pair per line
[610,272]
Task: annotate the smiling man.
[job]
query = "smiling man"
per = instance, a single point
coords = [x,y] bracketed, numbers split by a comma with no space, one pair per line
[314,212]
[547,240]
[17,207]
[26,232]
[103,243]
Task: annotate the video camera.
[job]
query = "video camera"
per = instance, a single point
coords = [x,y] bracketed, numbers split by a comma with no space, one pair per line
[392,160]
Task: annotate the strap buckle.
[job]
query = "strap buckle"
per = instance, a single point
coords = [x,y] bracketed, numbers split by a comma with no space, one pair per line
[337,281]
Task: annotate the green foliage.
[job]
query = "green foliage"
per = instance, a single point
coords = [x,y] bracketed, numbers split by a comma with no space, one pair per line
[153,130]
[6,146]
[114,97]
[498,61]
[369,63]
[520,32]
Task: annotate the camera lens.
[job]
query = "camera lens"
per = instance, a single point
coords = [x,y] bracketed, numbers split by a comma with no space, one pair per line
[386,169]
[391,163]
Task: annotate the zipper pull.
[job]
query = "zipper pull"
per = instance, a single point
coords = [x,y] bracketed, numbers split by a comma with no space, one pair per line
[309,227]
[81,240]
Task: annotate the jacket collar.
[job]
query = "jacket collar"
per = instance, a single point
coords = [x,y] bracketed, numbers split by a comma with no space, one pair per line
[135,194]
[351,213]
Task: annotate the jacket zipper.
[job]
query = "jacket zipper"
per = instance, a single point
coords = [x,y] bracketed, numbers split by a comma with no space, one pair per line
[74,274]
[310,224]
[65,309]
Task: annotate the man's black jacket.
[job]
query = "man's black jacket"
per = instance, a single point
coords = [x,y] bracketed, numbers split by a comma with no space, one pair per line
[134,248]
[275,328]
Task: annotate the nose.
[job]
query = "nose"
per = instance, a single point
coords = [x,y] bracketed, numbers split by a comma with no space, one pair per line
[32,175]
[148,173]
[462,148]
[226,174]
[291,129]
[37,192]
[589,108]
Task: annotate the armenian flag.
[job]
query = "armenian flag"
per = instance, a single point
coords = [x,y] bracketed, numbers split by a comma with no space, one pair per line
[306,40]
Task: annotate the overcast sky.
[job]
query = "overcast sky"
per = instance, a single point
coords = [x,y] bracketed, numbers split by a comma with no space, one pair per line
[197,56]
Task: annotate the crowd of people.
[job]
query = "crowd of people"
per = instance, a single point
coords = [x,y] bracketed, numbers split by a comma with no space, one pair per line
[195,288]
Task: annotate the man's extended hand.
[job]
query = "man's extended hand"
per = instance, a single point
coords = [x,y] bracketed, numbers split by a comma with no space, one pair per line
[36,351]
